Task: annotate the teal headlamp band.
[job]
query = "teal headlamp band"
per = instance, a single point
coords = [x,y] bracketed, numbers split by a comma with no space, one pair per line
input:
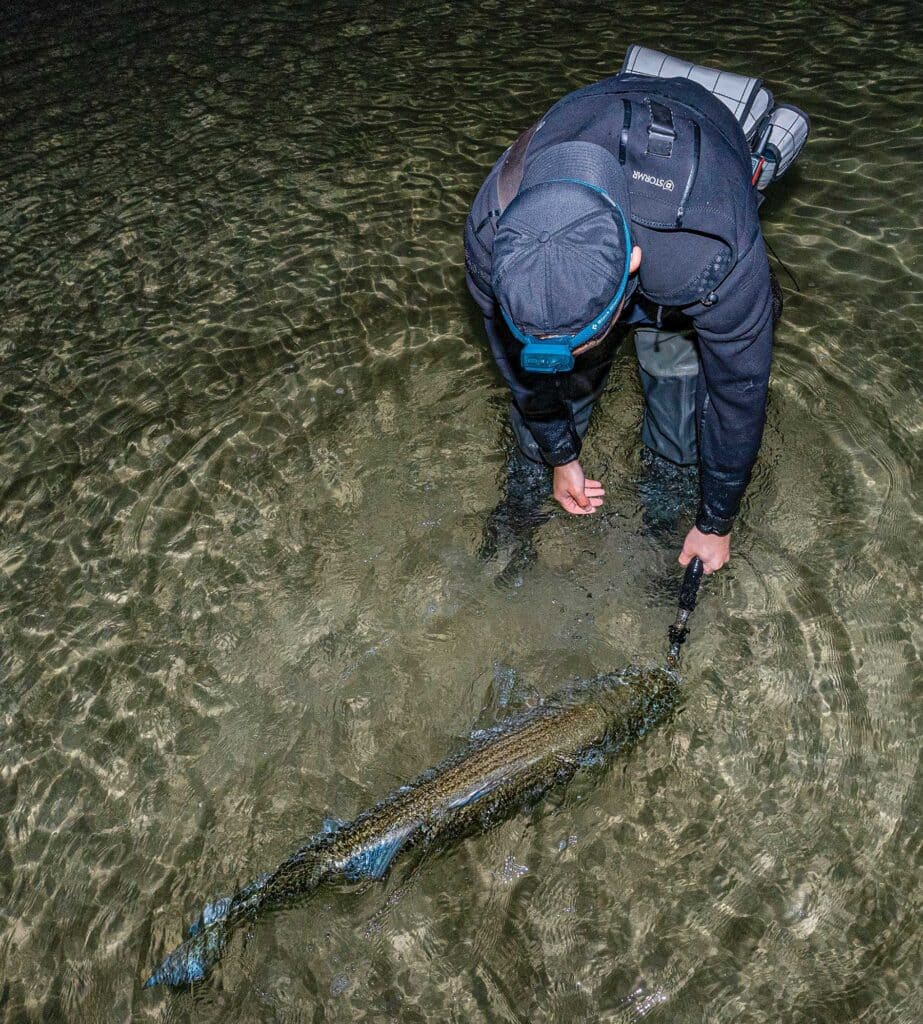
[555,354]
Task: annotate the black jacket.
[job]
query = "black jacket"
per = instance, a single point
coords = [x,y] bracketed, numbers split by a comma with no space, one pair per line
[695,218]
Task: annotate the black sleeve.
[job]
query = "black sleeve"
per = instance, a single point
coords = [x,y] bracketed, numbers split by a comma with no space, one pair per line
[735,339]
[480,228]
[540,397]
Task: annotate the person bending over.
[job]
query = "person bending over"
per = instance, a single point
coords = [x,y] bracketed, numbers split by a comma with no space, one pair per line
[632,201]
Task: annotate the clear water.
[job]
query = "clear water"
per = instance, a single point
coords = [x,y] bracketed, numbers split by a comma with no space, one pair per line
[251,433]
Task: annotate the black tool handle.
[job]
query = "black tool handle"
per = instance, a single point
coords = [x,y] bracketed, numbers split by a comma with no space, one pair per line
[690,587]
[687,595]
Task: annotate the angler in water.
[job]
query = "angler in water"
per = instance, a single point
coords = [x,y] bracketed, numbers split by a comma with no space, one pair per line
[632,205]
[503,770]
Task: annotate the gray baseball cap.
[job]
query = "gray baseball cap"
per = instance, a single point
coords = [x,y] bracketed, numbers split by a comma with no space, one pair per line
[563,245]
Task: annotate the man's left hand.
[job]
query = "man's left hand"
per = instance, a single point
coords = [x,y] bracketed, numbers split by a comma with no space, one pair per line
[713,550]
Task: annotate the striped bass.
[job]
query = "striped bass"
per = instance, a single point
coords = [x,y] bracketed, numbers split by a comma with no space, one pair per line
[502,770]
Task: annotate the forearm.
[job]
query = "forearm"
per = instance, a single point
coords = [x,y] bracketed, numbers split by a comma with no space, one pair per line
[540,399]
[736,351]
[555,434]
[731,431]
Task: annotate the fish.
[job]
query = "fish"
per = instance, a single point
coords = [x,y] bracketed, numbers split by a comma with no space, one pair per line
[502,770]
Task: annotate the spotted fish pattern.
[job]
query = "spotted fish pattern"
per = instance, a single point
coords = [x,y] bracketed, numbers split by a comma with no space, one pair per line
[502,770]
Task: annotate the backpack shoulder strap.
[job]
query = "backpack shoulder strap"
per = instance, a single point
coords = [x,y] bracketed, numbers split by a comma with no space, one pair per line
[510,177]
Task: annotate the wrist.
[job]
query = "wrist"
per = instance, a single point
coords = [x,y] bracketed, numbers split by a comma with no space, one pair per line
[710,523]
[564,456]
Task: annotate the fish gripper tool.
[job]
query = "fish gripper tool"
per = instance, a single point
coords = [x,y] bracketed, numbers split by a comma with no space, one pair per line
[687,595]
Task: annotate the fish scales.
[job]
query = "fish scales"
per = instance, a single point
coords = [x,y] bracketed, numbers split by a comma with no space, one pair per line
[502,770]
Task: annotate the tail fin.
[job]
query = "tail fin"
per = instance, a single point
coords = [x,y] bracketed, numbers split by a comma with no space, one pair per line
[192,960]
[207,938]
[208,935]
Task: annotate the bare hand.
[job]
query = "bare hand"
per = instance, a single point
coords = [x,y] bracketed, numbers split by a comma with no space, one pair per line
[714,551]
[573,492]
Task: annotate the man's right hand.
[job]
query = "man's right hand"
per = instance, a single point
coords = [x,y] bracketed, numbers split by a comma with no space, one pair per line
[573,492]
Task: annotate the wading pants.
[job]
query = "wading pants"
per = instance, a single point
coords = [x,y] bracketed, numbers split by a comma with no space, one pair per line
[668,365]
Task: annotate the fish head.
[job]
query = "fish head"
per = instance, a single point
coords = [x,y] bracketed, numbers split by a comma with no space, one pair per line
[652,691]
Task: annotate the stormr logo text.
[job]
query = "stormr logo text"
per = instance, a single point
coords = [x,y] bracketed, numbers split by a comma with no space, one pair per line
[665,183]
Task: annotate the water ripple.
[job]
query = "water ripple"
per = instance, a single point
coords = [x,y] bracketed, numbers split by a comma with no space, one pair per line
[250,437]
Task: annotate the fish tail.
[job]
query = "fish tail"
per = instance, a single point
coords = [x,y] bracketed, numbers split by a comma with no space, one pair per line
[192,960]
[207,937]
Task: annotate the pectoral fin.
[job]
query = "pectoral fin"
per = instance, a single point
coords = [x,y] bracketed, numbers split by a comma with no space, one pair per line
[469,796]
[373,861]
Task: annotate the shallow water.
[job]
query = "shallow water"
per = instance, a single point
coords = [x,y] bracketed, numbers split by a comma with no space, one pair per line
[251,436]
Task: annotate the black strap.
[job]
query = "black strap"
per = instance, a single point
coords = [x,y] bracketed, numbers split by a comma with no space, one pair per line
[660,132]
[690,181]
[510,177]
[623,135]
[687,595]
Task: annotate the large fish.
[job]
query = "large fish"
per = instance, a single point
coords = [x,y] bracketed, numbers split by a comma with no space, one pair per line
[503,769]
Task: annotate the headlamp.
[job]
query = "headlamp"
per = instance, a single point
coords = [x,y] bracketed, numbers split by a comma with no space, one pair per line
[555,354]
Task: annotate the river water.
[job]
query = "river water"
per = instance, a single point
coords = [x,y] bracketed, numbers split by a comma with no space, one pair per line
[251,434]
